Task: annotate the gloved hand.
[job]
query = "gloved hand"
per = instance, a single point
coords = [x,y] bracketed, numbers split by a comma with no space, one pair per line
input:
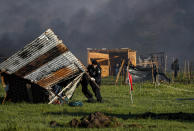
[92,79]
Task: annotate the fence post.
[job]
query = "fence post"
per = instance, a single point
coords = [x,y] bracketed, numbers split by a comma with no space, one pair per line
[189,78]
[165,64]
[173,70]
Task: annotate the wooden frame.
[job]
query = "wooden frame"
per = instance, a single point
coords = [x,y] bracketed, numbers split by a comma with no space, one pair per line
[72,84]
[105,54]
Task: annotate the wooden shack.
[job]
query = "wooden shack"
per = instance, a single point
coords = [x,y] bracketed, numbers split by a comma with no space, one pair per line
[33,73]
[110,58]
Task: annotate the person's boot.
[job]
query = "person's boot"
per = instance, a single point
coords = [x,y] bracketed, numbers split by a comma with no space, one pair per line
[90,100]
[100,100]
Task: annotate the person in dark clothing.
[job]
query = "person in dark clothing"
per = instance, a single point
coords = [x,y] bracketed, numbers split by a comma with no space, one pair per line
[155,73]
[175,67]
[116,69]
[94,70]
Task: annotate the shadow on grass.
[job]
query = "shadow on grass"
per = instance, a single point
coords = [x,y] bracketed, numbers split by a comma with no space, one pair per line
[180,116]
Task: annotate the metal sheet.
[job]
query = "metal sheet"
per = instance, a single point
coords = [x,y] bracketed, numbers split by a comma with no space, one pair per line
[45,61]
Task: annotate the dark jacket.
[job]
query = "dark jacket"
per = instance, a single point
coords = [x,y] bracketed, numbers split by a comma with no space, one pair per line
[95,73]
[155,69]
[175,66]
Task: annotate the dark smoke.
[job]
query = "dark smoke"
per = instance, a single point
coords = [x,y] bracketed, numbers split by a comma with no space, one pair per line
[145,26]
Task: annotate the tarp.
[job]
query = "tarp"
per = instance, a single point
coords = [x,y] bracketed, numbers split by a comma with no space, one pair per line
[140,74]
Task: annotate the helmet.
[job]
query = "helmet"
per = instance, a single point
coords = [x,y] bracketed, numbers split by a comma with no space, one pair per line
[94,62]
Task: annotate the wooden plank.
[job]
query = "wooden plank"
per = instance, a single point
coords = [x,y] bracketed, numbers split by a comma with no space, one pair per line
[105,70]
[71,84]
[98,55]
[189,77]
[120,69]
[51,92]
[123,50]
[132,57]
[165,68]
[41,60]
[95,55]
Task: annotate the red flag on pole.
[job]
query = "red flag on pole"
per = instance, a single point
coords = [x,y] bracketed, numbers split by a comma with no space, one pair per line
[130,80]
[130,83]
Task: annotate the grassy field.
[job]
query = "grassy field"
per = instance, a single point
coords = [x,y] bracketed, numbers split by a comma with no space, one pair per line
[153,109]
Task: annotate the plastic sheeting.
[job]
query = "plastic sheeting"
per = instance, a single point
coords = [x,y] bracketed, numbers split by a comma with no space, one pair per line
[140,74]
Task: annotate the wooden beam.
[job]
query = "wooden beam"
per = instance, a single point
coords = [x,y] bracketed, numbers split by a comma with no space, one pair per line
[120,69]
[75,81]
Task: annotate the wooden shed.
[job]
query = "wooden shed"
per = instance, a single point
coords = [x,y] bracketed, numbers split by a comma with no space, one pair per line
[109,59]
[33,73]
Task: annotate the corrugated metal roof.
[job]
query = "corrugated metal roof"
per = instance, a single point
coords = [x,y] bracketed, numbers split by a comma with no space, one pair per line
[45,61]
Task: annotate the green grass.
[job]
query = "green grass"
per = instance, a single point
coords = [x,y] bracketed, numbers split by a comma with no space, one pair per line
[147,98]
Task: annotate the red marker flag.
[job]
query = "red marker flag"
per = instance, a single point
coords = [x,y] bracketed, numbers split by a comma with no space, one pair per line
[130,80]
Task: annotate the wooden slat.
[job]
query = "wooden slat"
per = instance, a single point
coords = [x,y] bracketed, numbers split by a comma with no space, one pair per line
[105,70]
[98,55]
[132,57]
[43,59]
[111,50]
[94,55]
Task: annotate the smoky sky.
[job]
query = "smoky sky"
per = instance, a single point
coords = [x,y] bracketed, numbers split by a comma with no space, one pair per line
[143,25]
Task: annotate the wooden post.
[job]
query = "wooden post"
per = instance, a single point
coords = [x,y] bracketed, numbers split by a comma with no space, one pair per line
[126,75]
[191,69]
[120,69]
[189,78]
[173,70]
[185,66]
[109,67]
[121,75]
[152,73]
[157,79]
[165,64]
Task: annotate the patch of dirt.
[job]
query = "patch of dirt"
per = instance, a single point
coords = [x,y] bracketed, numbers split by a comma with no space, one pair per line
[95,120]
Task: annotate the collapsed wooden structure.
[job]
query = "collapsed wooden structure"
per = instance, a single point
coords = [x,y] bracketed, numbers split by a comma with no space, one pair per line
[32,73]
[109,58]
